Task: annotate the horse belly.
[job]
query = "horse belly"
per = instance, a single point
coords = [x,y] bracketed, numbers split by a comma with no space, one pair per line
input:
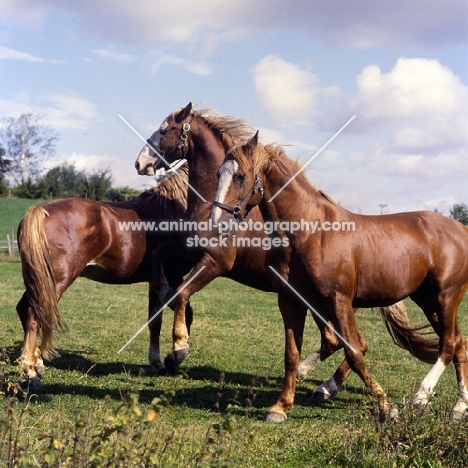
[386,287]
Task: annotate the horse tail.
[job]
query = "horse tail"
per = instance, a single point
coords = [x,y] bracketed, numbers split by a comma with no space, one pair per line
[38,276]
[408,336]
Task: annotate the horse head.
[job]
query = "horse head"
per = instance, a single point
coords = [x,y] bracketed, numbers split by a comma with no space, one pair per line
[167,144]
[239,188]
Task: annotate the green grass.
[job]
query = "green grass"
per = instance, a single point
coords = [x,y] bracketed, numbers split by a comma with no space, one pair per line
[12,211]
[98,408]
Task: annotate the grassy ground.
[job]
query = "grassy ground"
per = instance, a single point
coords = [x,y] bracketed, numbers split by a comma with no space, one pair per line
[12,211]
[100,408]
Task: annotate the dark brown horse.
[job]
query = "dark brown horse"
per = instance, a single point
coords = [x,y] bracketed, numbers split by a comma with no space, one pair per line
[203,137]
[67,238]
[383,259]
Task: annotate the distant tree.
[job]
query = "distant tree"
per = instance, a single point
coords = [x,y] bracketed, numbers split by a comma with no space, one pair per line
[4,161]
[123,193]
[3,186]
[460,213]
[27,143]
[99,184]
[27,189]
[66,181]
[62,182]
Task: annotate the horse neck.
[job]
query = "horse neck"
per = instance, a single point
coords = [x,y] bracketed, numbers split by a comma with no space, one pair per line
[205,156]
[298,200]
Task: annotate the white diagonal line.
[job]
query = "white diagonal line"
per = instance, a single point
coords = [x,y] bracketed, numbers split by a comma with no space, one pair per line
[313,310]
[160,156]
[312,158]
[160,310]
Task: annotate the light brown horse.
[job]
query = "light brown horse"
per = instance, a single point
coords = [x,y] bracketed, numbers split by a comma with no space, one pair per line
[67,238]
[203,137]
[384,259]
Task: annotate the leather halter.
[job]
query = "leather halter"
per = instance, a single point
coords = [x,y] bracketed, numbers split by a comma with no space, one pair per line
[180,143]
[236,210]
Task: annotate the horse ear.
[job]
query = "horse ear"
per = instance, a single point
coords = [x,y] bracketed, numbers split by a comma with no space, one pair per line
[184,113]
[253,142]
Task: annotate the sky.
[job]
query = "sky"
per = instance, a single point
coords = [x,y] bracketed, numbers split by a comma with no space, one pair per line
[296,70]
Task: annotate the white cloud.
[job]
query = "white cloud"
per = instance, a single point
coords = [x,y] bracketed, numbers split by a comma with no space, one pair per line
[69,111]
[15,107]
[114,56]
[289,94]
[62,111]
[195,67]
[7,53]
[420,104]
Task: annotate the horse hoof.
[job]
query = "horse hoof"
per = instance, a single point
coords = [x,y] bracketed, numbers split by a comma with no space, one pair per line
[389,415]
[421,407]
[457,415]
[159,369]
[393,414]
[39,371]
[274,417]
[301,374]
[30,385]
[170,363]
[320,397]
[321,394]
[175,359]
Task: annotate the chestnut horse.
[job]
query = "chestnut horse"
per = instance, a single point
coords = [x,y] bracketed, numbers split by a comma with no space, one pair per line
[386,258]
[67,238]
[203,137]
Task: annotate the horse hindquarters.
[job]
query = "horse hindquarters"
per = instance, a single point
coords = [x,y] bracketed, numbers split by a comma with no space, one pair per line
[38,308]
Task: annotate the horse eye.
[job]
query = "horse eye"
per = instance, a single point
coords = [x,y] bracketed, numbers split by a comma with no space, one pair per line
[239,177]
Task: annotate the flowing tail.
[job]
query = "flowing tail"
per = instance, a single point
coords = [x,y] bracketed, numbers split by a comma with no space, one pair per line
[38,276]
[407,336]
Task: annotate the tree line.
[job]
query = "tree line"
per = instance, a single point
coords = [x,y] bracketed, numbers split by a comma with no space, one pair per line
[26,143]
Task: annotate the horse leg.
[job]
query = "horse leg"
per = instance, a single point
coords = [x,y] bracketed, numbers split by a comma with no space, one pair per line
[329,345]
[31,358]
[294,319]
[461,368]
[354,351]
[204,272]
[330,388]
[159,279]
[154,326]
[451,345]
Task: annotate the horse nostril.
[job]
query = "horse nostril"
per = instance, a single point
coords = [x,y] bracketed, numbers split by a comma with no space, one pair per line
[137,165]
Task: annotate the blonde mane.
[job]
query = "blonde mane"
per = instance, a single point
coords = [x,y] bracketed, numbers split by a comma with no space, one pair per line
[173,189]
[265,156]
[238,129]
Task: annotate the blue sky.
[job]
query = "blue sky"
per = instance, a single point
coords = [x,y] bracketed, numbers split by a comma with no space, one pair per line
[296,70]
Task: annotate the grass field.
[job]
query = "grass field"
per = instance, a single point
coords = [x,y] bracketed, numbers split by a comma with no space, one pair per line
[12,211]
[99,408]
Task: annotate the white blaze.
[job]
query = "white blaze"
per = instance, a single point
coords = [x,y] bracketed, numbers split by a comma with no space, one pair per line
[226,171]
